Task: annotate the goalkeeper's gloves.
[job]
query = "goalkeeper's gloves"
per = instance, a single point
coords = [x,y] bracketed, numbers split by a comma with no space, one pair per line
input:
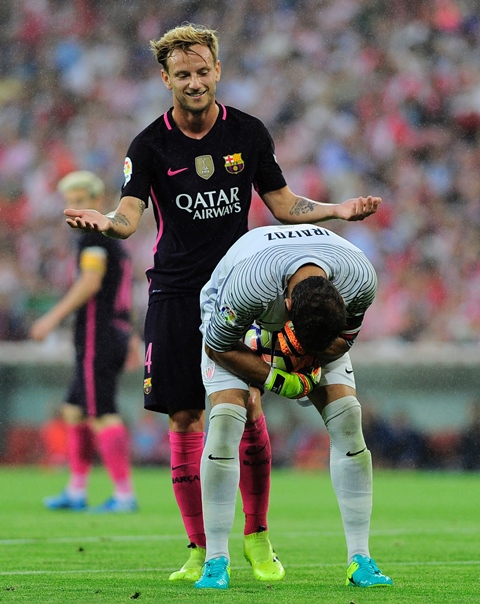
[293,385]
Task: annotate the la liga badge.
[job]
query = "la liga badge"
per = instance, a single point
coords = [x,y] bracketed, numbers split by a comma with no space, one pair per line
[228,315]
[127,170]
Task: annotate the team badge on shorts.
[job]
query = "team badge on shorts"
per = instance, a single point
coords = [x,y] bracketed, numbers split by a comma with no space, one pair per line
[147,385]
[228,315]
[204,166]
[234,163]
[127,170]
[208,371]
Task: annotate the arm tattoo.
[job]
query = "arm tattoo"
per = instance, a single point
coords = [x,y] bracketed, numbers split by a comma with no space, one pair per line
[301,206]
[141,207]
[120,220]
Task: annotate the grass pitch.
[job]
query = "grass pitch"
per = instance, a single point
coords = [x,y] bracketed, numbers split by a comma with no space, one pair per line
[425,535]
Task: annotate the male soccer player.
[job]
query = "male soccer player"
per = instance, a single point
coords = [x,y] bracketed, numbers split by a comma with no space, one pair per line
[313,287]
[100,297]
[196,165]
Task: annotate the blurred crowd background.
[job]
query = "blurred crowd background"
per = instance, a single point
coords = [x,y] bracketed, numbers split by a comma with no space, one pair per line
[361,97]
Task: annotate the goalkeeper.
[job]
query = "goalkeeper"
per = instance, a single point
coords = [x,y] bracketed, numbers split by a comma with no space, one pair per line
[313,287]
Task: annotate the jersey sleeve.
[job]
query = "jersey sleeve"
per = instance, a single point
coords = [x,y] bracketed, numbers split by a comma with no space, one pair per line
[269,176]
[227,325]
[356,311]
[352,329]
[137,171]
[233,311]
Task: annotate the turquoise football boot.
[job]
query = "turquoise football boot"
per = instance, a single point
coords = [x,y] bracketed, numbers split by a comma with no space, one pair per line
[363,572]
[216,574]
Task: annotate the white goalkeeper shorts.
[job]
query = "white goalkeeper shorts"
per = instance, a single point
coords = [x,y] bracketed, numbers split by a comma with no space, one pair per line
[217,378]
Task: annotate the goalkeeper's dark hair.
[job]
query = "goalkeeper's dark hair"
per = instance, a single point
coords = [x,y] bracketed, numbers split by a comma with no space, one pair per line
[318,313]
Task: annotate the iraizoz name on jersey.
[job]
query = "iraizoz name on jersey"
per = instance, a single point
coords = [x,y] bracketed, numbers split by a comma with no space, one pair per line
[295,234]
[210,204]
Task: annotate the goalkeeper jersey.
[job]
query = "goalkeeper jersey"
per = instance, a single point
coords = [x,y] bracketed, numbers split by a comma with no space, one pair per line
[250,282]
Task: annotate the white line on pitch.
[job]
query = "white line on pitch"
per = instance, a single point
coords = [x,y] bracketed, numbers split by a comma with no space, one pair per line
[236,568]
[292,535]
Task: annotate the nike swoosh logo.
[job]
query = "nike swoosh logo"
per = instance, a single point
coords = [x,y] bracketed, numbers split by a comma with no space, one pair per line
[348,370]
[215,458]
[254,451]
[356,452]
[180,466]
[173,172]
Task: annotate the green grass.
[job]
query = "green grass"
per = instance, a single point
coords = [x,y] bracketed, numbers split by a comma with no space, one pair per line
[425,534]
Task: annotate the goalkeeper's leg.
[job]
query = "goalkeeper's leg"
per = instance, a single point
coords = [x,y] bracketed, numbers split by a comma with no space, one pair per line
[220,475]
[351,474]
[351,471]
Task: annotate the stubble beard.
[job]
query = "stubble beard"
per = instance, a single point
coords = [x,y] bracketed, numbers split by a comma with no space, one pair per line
[197,111]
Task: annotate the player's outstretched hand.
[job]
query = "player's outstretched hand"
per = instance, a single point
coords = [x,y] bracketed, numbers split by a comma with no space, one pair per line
[87,220]
[358,208]
[293,385]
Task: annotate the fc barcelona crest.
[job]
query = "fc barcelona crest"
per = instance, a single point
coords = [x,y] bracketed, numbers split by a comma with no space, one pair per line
[204,166]
[234,163]
[147,385]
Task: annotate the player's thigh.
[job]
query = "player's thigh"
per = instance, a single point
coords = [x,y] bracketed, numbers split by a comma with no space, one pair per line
[172,376]
[337,381]
[232,396]
[109,361]
[217,380]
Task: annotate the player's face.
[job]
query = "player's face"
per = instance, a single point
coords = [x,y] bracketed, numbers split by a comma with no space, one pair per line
[79,198]
[192,77]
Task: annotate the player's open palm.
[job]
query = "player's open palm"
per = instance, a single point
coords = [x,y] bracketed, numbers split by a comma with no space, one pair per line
[358,208]
[87,220]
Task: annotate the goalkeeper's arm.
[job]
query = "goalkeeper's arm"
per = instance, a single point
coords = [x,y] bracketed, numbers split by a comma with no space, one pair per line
[244,363]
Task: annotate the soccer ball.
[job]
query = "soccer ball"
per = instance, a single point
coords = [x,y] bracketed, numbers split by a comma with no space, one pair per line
[265,344]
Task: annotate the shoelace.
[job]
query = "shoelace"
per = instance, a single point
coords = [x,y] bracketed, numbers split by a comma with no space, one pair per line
[370,564]
[214,569]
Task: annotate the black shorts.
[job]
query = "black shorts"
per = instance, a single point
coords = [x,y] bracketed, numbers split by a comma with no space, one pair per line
[173,343]
[94,383]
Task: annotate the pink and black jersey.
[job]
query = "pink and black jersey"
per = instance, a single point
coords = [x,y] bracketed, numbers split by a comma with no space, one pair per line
[109,311]
[200,191]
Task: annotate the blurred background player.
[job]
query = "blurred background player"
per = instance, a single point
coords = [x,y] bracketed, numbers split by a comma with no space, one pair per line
[313,287]
[196,165]
[100,297]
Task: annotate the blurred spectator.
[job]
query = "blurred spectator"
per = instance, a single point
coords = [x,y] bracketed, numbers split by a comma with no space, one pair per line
[408,445]
[377,434]
[361,96]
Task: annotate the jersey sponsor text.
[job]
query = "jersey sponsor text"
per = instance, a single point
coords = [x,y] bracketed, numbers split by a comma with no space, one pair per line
[210,204]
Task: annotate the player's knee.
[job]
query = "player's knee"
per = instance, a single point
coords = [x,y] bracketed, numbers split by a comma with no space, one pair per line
[254,405]
[187,420]
[227,422]
[343,419]
[72,414]
[107,420]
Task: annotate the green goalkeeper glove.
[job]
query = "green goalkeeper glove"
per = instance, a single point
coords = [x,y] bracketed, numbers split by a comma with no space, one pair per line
[293,385]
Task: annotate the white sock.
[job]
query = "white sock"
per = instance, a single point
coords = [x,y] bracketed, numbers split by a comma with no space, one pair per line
[350,471]
[220,475]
